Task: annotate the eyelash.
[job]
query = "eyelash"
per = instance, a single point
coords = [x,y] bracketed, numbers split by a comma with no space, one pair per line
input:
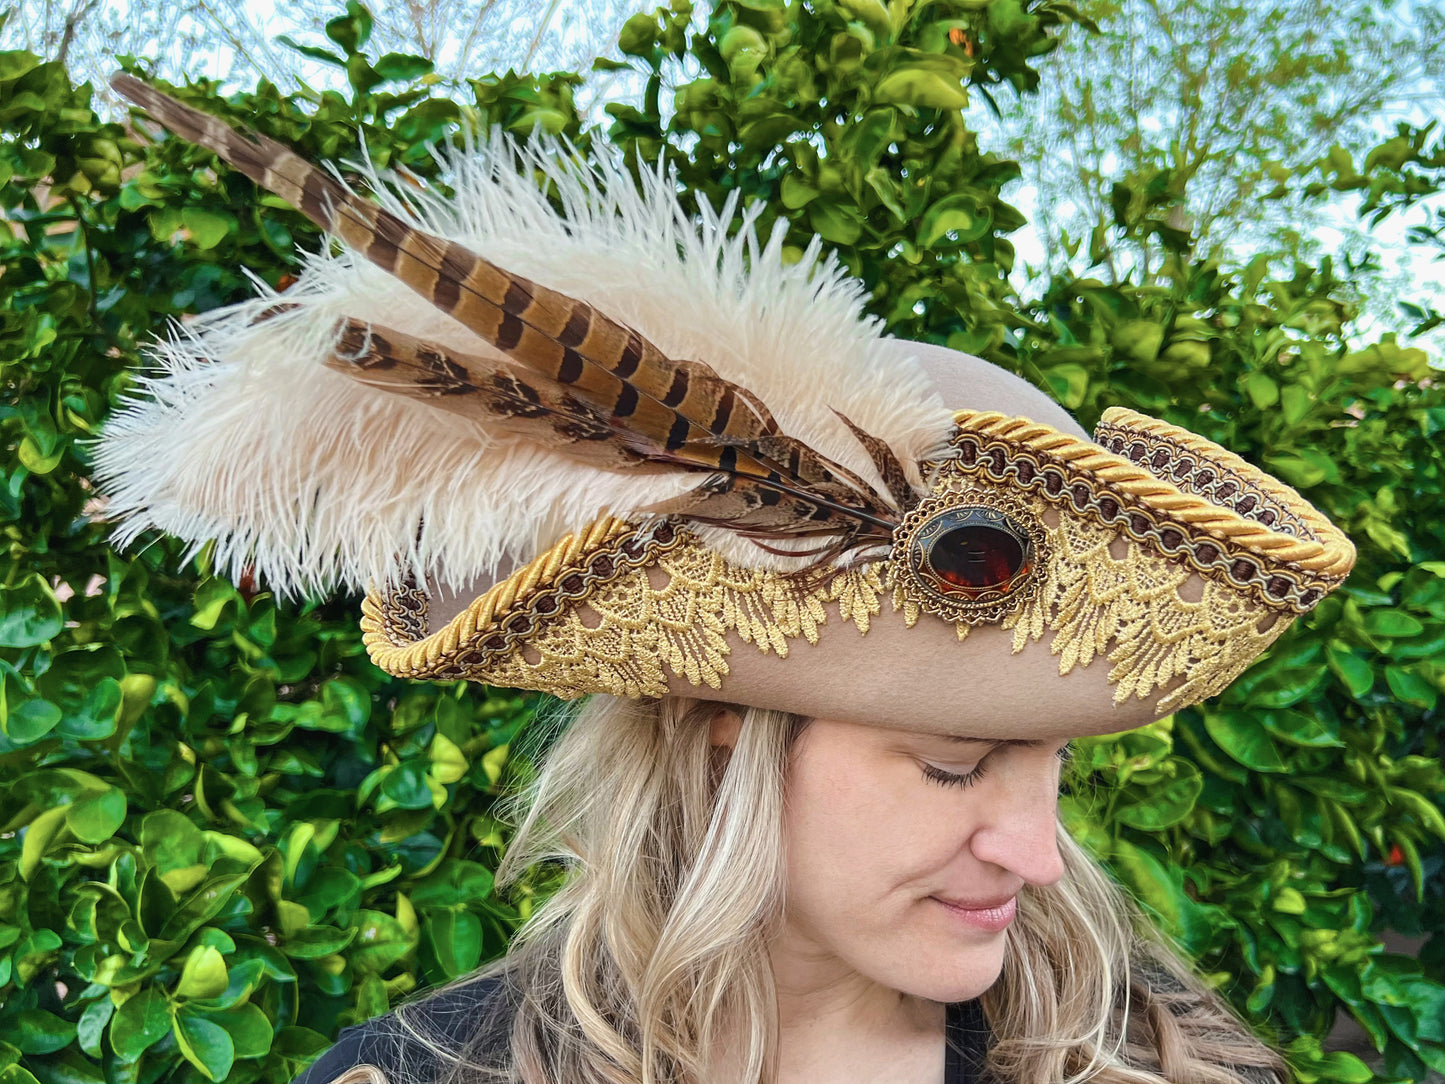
[935,774]
[953,779]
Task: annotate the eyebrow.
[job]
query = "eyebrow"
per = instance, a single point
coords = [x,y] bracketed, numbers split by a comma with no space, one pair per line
[966,740]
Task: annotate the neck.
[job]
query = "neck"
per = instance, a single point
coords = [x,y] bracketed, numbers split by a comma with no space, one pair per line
[820,991]
[834,1021]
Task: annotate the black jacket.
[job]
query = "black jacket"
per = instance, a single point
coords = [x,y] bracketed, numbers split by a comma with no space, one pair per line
[451,1018]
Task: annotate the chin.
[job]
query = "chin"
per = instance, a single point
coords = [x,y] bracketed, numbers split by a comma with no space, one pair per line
[956,976]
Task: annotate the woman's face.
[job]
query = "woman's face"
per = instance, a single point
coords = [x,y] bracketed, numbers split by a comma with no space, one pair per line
[906,852]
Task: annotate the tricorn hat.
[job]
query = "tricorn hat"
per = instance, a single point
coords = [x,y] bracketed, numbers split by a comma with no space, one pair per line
[655,456]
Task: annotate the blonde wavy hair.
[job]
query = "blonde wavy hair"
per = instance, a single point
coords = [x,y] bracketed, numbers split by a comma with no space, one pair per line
[654,950]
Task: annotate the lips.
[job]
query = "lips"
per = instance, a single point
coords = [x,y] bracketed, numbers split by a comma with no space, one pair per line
[990,916]
[978,905]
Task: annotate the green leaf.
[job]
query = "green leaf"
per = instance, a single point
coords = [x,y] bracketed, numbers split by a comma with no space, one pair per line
[1008,19]
[1393,623]
[16,1074]
[170,840]
[94,718]
[456,883]
[39,1032]
[380,941]
[314,52]
[29,613]
[313,942]
[833,222]
[251,1033]
[1162,806]
[204,974]
[456,939]
[1069,384]
[143,1020]
[1263,992]
[448,763]
[1138,340]
[402,66]
[1300,728]
[15,63]
[92,1024]
[796,192]
[637,35]
[1246,741]
[347,704]
[37,461]
[1296,470]
[205,1045]
[405,785]
[371,997]
[1354,671]
[962,213]
[38,836]
[1289,901]
[1296,404]
[1263,392]
[1427,812]
[1160,889]
[96,817]
[1345,1068]
[207,228]
[352,30]
[30,721]
[212,598]
[1340,790]
[1411,686]
[920,87]
[1287,685]
[202,904]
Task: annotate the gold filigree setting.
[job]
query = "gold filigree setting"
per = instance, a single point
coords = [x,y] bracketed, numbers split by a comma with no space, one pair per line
[968,554]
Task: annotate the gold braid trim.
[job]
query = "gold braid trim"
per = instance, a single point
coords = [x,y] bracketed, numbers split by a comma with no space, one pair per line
[590,620]
[1229,540]
[618,607]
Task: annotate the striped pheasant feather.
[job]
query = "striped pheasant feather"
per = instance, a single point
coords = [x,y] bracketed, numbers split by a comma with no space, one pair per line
[505,397]
[694,419]
[498,395]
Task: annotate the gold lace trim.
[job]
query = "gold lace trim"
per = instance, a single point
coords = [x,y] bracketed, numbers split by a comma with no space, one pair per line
[626,635]
[586,616]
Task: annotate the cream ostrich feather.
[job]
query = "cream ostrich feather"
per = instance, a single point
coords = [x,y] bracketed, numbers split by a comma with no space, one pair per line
[246,438]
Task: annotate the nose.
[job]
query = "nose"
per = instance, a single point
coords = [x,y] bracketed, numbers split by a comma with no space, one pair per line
[1019,830]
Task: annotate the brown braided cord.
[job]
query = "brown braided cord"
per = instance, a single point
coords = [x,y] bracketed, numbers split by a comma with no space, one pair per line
[1338,547]
[1328,554]
[425,655]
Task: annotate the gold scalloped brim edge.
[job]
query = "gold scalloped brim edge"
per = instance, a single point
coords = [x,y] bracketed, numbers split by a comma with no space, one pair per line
[1337,556]
[423,657]
[1329,554]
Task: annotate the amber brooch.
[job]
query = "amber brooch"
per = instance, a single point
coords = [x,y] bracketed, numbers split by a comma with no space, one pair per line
[968,553]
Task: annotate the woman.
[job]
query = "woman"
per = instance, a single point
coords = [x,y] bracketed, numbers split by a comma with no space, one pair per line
[843,864]
[790,874]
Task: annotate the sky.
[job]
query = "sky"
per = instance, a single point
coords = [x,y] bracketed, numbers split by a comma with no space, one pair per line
[573,27]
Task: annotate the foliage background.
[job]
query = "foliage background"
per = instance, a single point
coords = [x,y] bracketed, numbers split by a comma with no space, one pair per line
[226,834]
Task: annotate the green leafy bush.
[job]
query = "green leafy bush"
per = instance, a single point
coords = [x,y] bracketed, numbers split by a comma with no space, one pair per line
[226,833]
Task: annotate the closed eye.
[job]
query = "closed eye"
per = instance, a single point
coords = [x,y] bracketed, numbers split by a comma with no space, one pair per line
[935,774]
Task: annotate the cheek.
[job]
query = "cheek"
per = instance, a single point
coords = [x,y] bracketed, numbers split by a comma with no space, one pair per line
[861,834]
